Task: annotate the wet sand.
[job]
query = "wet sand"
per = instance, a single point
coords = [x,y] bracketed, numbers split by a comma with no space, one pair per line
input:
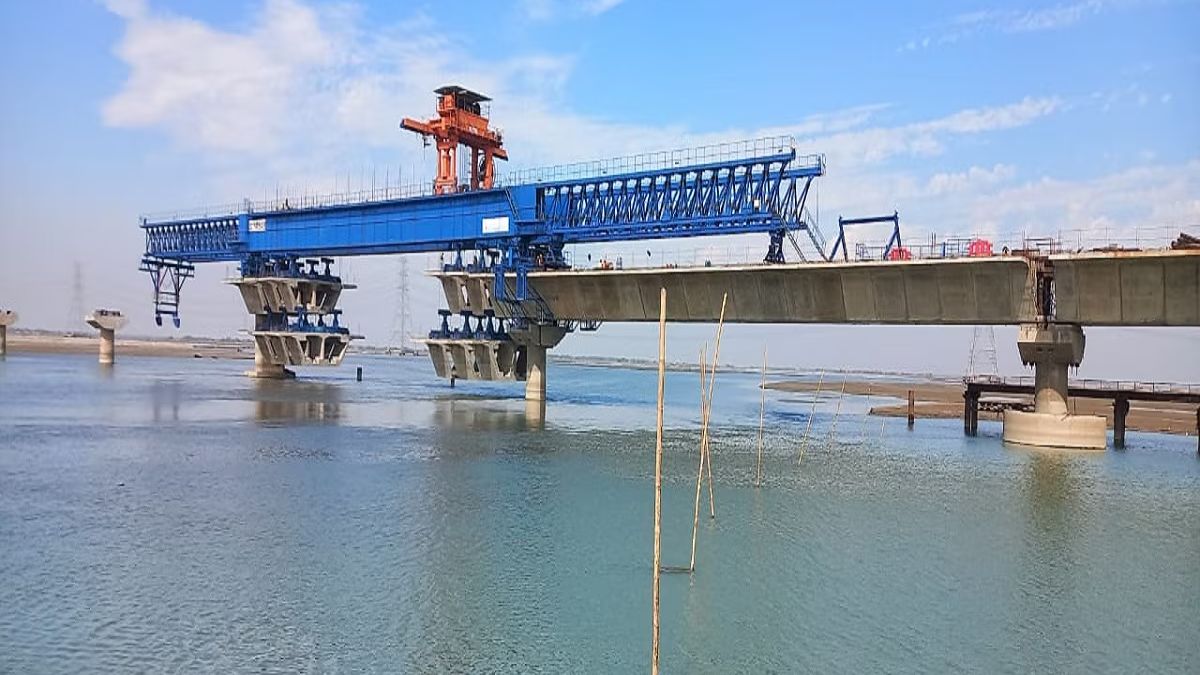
[944,400]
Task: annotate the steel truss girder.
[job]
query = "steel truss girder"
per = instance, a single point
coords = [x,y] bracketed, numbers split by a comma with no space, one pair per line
[213,238]
[749,197]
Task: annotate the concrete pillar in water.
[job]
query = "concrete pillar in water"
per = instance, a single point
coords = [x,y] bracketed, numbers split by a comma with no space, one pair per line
[107,321]
[535,373]
[534,341]
[7,318]
[1051,349]
[1120,411]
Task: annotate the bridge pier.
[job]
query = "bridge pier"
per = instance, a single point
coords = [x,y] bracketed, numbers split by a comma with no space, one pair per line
[533,341]
[1051,349]
[107,321]
[7,318]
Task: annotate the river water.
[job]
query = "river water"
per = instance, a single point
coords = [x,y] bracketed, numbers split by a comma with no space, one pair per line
[175,516]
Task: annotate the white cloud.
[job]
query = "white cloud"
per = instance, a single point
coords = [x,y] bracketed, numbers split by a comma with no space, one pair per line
[213,89]
[975,177]
[873,145]
[542,10]
[970,24]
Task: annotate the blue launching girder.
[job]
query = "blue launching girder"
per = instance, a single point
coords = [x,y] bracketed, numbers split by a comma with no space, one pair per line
[759,187]
[750,194]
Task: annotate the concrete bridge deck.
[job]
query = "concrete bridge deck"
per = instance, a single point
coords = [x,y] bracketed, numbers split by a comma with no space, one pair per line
[1145,288]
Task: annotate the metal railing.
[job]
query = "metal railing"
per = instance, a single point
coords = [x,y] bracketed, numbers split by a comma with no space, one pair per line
[667,159]
[1115,386]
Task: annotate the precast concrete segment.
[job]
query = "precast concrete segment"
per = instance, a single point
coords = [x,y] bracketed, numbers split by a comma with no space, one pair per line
[1134,288]
[7,318]
[264,295]
[473,359]
[962,291]
[301,348]
[1150,288]
[107,321]
[266,365]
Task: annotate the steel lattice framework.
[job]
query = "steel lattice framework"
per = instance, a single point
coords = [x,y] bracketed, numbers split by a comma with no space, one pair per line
[527,222]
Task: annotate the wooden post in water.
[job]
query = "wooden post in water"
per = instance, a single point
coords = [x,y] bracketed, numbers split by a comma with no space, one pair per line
[762,410]
[658,453]
[811,413]
[712,379]
[912,408]
[700,470]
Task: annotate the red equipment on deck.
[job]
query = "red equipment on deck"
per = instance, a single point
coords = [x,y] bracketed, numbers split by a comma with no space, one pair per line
[979,248]
[461,121]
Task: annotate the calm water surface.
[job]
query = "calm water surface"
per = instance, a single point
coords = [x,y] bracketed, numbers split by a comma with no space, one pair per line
[175,516]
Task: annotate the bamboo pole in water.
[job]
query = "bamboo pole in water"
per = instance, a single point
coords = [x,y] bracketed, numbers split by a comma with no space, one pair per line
[658,453]
[700,470]
[762,410]
[837,412]
[862,428]
[712,379]
[811,413]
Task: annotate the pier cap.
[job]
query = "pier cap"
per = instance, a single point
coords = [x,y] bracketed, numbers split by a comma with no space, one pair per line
[106,319]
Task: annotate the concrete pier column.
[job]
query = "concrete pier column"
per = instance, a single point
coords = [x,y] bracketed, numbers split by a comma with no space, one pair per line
[1051,349]
[534,340]
[108,346]
[1120,411]
[7,318]
[107,321]
[265,367]
[535,373]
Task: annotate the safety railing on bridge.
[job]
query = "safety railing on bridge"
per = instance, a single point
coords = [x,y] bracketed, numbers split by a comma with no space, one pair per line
[1115,386]
[667,159]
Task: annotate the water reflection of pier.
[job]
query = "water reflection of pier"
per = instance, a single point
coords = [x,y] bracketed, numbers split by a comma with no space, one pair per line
[302,401]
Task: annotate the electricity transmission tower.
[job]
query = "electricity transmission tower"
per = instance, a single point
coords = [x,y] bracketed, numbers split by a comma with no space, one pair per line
[76,312]
[983,352]
[399,341]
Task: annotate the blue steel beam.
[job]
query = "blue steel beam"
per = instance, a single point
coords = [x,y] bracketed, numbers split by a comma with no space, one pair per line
[756,194]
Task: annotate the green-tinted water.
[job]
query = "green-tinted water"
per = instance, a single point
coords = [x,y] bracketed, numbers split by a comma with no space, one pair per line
[176,516]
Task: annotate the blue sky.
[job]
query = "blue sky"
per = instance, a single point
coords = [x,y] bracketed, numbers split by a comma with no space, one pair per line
[984,118]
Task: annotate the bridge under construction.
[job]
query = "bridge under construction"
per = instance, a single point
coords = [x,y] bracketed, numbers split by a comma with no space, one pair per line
[512,295]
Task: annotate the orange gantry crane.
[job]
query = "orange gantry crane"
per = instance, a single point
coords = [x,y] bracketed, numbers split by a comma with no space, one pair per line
[462,121]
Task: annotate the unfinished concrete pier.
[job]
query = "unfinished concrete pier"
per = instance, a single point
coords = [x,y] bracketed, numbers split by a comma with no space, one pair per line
[107,321]
[7,318]
[1051,349]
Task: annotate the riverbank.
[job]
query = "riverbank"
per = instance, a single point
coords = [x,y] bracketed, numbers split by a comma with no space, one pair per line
[39,342]
[944,400]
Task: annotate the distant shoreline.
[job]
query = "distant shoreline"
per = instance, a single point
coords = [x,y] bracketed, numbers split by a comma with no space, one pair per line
[936,398]
[40,342]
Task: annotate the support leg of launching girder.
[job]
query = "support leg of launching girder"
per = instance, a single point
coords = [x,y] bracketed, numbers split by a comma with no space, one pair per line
[168,277]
